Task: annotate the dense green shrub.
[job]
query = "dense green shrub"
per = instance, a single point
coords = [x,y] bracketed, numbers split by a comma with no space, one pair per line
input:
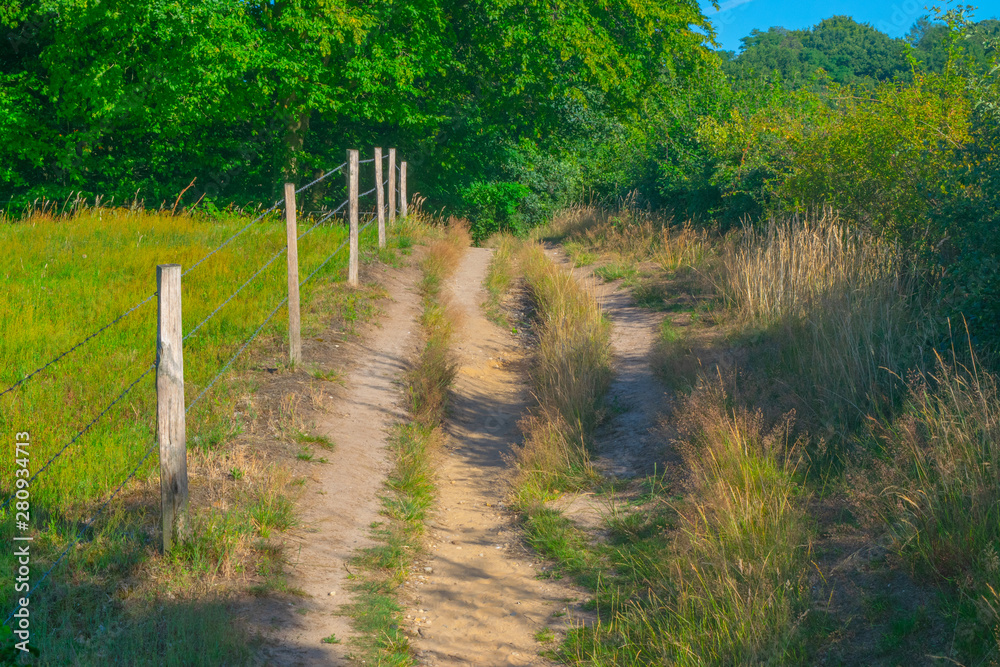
[493,207]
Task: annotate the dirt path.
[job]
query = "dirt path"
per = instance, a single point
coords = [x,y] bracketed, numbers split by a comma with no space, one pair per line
[341,498]
[626,447]
[477,600]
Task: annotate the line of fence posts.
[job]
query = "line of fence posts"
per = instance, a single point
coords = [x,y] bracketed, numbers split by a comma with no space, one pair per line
[170,419]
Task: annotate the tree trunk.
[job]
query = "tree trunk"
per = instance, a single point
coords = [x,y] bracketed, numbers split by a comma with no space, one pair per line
[296,126]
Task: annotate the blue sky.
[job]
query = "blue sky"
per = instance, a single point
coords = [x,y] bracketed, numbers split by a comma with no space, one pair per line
[737,18]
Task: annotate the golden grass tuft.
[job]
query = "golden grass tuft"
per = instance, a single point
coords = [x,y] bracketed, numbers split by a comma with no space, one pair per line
[500,275]
[845,305]
[727,586]
[630,235]
[570,374]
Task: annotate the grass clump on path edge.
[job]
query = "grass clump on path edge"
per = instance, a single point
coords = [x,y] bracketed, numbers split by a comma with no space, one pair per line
[570,374]
[410,488]
[713,576]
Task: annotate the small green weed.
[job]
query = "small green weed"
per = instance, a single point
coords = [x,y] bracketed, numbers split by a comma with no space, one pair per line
[616,271]
[311,439]
[545,636]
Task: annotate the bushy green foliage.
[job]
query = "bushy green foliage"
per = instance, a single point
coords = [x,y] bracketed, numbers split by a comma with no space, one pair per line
[846,51]
[115,98]
[493,207]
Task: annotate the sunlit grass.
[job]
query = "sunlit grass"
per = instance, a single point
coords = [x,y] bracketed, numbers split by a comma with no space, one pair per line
[68,277]
[570,373]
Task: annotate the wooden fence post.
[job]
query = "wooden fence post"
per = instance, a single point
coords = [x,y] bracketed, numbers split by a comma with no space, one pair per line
[170,427]
[379,198]
[352,208]
[392,186]
[294,317]
[402,189]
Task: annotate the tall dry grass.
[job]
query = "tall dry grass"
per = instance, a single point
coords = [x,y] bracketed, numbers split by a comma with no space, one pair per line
[630,234]
[500,276]
[726,587]
[435,368]
[570,375]
[845,304]
[937,490]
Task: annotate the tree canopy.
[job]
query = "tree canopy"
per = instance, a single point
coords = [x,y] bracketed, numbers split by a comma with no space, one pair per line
[125,95]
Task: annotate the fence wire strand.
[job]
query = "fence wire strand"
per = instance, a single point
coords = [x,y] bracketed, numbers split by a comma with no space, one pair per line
[81,343]
[264,323]
[325,218]
[150,297]
[324,263]
[259,271]
[82,431]
[232,238]
[321,178]
[79,535]
[152,448]
[233,295]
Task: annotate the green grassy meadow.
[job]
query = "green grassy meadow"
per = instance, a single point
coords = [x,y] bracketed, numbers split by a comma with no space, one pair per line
[67,277]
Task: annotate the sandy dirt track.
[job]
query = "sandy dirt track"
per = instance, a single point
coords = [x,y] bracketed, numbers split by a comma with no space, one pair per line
[477,599]
[341,498]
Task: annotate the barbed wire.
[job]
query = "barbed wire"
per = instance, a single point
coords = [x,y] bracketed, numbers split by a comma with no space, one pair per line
[233,237]
[79,534]
[326,217]
[324,263]
[371,159]
[150,297]
[321,178]
[82,342]
[233,295]
[233,358]
[82,431]
[87,428]
[130,310]
[152,448]
[254,335]
[249,280]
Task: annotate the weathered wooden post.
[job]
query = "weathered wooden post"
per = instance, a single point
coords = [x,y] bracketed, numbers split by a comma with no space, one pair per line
[170,428]
[392,185]
[379,198]
[352,208]
[294,317]
[402,189]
